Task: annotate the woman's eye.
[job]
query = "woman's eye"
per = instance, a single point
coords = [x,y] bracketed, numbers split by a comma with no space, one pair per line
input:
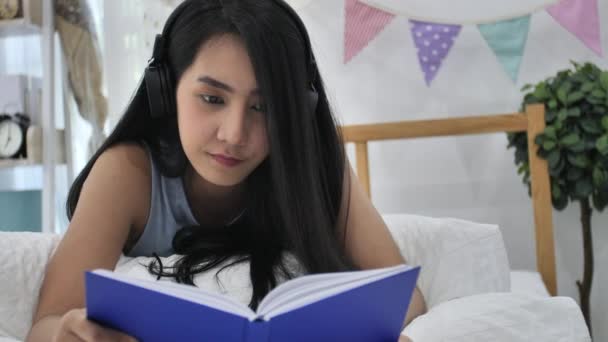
[259,108]
[212,99]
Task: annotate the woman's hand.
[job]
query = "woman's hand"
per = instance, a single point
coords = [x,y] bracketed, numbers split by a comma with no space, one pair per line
[74,326]
[403,338]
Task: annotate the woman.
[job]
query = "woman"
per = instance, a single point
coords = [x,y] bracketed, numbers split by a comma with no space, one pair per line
[227,151]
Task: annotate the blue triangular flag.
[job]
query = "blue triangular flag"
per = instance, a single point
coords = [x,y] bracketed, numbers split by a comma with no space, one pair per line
[508,40]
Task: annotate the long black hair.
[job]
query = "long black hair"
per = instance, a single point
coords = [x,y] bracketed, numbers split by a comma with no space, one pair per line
[293,197]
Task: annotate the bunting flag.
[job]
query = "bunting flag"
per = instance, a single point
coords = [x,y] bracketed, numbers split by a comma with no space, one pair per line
[581,18]
[508,39]
[433,42]
[362,24]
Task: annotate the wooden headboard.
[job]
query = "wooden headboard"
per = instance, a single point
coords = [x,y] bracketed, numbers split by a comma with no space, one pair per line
[532,122]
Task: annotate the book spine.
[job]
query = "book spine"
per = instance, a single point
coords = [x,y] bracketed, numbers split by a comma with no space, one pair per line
[258,331]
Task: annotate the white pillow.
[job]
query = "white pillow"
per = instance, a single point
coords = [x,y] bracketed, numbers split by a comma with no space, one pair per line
[23,259]
[501,317]
[458,258]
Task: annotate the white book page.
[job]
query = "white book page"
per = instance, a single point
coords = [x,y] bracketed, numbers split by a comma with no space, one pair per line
[186,292]
[309,289]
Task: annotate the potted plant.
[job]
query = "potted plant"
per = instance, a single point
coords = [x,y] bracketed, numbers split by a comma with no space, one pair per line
[575,145]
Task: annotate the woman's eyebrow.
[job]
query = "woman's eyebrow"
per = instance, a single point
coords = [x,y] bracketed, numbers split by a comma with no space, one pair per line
[218,84]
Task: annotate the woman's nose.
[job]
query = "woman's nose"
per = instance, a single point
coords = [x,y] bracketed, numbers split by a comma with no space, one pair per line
[233,127]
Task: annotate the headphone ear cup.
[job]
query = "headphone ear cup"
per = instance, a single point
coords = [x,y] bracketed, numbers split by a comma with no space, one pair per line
[168,92]
[153,81]
[161,98]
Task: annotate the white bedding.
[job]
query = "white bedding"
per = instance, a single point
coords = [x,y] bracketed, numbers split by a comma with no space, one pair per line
[460,262]
[498,317]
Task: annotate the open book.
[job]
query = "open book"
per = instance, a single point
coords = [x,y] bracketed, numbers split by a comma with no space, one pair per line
[362,306]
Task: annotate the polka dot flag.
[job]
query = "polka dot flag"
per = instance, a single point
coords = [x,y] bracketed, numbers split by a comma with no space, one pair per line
[433,42]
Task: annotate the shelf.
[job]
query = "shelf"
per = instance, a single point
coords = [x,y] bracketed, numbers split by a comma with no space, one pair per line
[17,27]
[23,175]
[20,175]
[10,163]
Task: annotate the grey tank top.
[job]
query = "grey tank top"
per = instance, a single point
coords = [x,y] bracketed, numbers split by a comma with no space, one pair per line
[169,212]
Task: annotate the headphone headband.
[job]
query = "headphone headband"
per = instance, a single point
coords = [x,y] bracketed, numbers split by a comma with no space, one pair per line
[160,42]
[158,77]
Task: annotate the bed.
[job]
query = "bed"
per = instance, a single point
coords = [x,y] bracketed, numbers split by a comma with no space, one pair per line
[532,122]
[491,315]
[465,278]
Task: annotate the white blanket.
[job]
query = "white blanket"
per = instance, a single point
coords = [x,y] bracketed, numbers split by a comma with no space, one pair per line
[498,317]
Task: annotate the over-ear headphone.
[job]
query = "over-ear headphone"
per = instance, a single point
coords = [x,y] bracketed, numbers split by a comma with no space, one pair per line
[160,83]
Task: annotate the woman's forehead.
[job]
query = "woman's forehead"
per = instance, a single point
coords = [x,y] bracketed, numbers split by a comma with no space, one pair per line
[225,58]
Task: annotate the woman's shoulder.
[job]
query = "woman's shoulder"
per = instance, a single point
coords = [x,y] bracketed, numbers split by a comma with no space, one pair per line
[129,164]
[126,155]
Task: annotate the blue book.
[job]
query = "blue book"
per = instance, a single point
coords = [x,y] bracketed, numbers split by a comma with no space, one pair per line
[366,306]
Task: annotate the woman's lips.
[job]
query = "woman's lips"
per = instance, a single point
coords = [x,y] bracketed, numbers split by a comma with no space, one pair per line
[225,160]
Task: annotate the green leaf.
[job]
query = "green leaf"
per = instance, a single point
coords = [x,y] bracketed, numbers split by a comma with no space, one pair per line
[583,188]
[562,94]
[574,173]
[590,126]
[599,201]
[578,147]
[553,158]
[556,192]
[552,104]
[557,170]
[599,177]
[574,112]
[605,122]
[575,96]
[604,80]
[599,94]
[579,160]
[562,115]
[560,203]
[602,144]
[550,132]
[570,139]
[600,109]
[521,156]
[526,87]
[541,92]
[588,87]
[595,100]
[549,145]
[523,168]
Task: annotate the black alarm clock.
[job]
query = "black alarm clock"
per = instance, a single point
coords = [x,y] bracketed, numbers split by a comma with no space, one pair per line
[13,130]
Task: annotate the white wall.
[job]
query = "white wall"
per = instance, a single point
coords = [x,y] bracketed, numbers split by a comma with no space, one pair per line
[472,177]
[467,177]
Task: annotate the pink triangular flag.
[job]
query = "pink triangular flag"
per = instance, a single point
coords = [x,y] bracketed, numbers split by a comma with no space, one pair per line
[581,18]
[362,24]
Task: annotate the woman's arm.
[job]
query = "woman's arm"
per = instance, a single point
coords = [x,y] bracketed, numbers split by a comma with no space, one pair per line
[368,240]
[111,201]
